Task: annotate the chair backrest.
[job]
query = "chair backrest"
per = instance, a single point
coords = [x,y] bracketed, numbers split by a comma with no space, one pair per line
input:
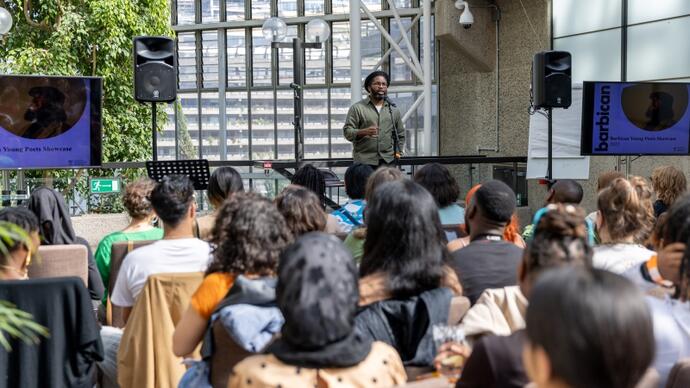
[145,357]
[71,352]
[114,316]
[679,375]
[60,261]
[226,355]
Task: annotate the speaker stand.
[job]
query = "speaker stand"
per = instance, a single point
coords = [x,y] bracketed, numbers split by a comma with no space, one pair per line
[549,160]
[154,139]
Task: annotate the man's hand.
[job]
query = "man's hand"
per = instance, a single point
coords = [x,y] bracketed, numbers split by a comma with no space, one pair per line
[371,131]
[669,258]
[449,350]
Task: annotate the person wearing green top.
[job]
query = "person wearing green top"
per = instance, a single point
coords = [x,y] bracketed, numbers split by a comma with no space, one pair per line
[370,124]
[138,205]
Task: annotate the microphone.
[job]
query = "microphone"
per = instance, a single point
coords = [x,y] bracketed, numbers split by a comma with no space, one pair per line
[295,86]
[387,99]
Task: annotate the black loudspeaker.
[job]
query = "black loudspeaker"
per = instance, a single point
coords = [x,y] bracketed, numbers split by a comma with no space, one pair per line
[551,79]
[154,69]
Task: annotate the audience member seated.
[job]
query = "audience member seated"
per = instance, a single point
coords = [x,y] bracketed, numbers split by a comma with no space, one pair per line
[511,233]
[670,310]
[495,361]
[249,235]
[320,345]
[444,188]
[488,261]
[587,328]
[405,282]
[669,184]
[624,222]
[351,214]
[355,240]
[138,205]
[56,229]
[301,209]
[224,182]
[310,177]
[562,191]
[603,182]
[21,241]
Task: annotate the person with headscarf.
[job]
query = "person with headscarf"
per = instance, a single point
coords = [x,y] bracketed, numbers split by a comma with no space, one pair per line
[56,228]
[319,346]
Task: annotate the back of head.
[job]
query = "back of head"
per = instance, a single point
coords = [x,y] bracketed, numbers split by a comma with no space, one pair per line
[224,182]
[379,177]
[53,216]
[310,177]
[606,178]
[20,216]
[437,179]
[301,209]
[137,198]
[676,228]
[496,201]
[669,183]
[171,199]
[626,209]
[404,238]
[593,325]
[567,191]
[317,291]
[249,235]
[356,180]
[560,239]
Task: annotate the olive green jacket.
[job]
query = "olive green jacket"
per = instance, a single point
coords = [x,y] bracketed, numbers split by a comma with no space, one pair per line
[370,149]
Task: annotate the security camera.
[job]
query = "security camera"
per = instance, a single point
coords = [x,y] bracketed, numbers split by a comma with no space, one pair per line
[466,18]
[466,25]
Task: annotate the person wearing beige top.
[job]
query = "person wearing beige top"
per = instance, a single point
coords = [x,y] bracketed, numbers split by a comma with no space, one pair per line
[224,182]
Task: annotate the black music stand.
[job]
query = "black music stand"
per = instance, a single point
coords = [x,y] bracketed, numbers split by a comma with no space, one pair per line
[196,170]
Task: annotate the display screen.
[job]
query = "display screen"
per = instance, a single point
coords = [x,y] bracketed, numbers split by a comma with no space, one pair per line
[50,122]
[635,118]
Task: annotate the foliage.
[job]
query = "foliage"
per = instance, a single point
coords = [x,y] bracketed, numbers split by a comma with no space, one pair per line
[15,322]
[92,38]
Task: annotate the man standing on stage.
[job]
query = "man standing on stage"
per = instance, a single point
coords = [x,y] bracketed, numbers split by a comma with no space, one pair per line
[371,124]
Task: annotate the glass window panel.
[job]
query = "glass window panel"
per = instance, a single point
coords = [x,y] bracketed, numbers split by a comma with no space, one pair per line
[643,11]
[234,10]
[236,58]
[210,11]
[400,71]
[261,58]
[186,60]
[185,12]
[341,52]
[596,56]
[237,125]
[285,75]
[313,7]
[403,3]
[659,50]
[286,131]
[315,64]
[261,9]
[165,146]
[415,122]
[340,104]
[341,6]
[263,124]
[209,47]
[287,8]
[316,123]
[577,16]
[188,126]
[373,5]
[210,135]
[371,47]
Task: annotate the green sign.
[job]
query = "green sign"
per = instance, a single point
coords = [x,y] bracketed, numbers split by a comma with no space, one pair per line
[105,185]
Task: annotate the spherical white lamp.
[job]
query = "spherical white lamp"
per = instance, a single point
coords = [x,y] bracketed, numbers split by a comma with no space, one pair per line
[317,31]
[5,21]
[274,29]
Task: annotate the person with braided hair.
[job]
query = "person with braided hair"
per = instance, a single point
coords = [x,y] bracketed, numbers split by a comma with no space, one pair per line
[624,222]
[560,240]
